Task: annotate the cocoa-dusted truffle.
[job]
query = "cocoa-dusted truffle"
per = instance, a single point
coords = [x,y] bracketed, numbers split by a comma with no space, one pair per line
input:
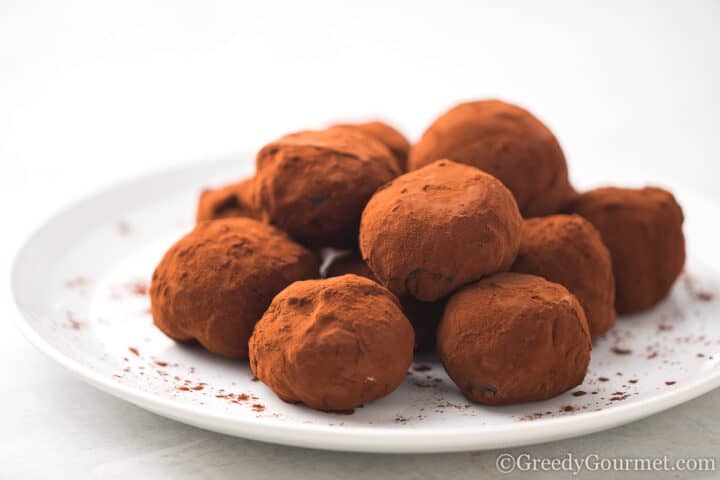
[424,316]
[435,229]
[216,282]
[392,138]
[513,338]
[233,200]
[505,141]
[332,344]
[642,228]
[314,184]
[568,250]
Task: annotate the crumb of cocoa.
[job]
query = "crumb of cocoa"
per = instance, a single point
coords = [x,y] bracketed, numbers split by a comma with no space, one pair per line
[422,384]
[123,228]
[704,296]
[422,368]
[567,408]
[400,419]
[77,282]
[617,398]
[138,288]
[198,387]
[652,355]
[670,382]
[258,407]
[160,363]
[621,351]
[579,393]
[664,327]
[184,388]
[700,355]
[633,381]
[72,321]
[134,351]
[603,379]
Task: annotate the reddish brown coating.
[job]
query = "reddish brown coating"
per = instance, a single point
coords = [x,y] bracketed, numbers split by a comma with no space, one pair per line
[505,141]
[233,200]
[435,229]
[568,250]
[424,316]
[315,184]
[513,338]
[391,137]
[642,228]
[332,344]
[216,282]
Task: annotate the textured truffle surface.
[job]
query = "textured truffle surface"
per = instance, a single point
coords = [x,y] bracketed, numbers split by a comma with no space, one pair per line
[214,284]
[332,344]
[568,250]
[435,229]
[424,316]
[513,338]
[315,184]
[392,138]
[642,228]
[505,141]
[233,200]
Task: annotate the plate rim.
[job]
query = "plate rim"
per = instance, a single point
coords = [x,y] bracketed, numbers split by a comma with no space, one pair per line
[327,437]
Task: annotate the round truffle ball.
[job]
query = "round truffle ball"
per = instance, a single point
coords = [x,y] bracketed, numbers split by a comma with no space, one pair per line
[392,138]
[568,250]
[233,200]
[315,184]
[435,229]
[505,141]
[332,344]
[642,228]
[513,338]
[214,284]
[424,316]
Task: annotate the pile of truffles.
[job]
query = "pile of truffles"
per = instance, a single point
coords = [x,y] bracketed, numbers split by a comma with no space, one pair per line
[471,244]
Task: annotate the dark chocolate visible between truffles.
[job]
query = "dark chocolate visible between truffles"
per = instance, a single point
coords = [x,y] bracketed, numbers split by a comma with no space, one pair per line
[315,184]
[505,141]
[513,338]
[432,230]
[332,344]
[424,316]
[568,250]
[392,138]
[216,282]
[642,228]
[233,200]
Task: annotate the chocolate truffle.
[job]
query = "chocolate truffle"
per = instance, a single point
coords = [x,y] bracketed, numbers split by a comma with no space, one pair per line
[435,229]
[392,138]
[568,250]
[513,338]
[505,141]
[642,228]
[314,184]
[233,200]
[332,344]
[424,316]
[216,282]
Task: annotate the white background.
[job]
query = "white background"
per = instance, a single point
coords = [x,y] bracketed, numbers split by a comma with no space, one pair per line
[95,92]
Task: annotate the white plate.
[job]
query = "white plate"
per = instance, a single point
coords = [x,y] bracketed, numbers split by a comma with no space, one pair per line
[79,284]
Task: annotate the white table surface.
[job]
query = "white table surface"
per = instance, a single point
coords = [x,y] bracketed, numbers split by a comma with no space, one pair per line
[92,93]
